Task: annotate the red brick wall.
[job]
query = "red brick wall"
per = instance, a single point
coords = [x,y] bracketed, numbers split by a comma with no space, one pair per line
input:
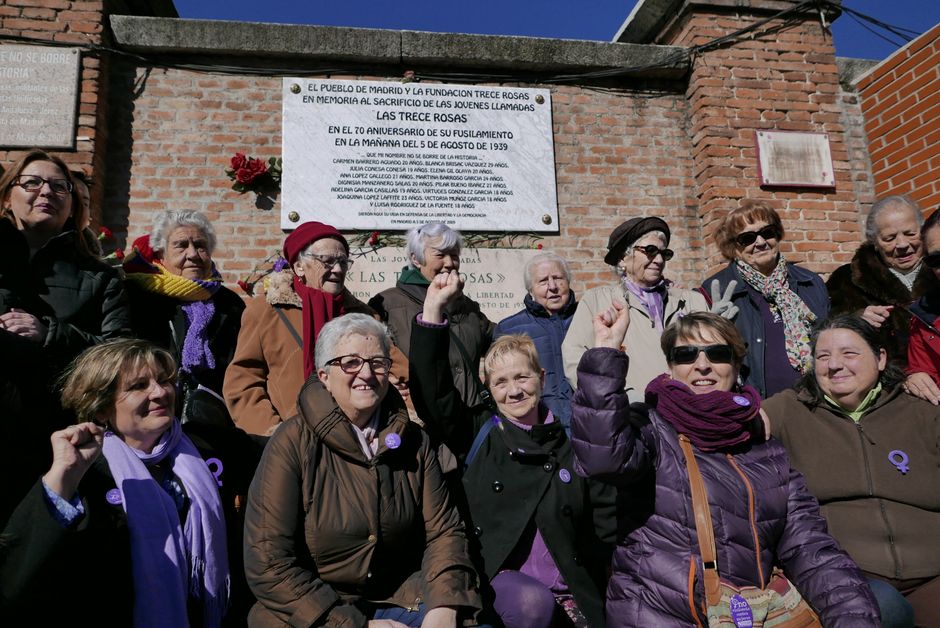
[901,103]
[617,155]
[785,80]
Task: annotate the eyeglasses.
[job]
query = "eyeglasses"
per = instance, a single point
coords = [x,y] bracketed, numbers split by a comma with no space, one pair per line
[932,260]
[32,183]
[747,238]
[330,262]
[352,364]
[651,251]
[687,354]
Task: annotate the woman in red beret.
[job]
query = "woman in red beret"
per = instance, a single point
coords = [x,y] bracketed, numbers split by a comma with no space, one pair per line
[275,352]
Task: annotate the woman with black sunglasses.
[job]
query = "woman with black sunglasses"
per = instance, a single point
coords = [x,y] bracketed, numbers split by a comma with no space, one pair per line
[748,512]
[771,301]
[638,250]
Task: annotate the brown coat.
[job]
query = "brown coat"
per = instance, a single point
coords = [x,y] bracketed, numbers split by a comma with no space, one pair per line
[266,375]
[328,531]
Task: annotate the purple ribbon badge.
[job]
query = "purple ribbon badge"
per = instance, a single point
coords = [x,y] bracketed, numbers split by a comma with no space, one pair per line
[393,441]
[113,497]
[741,401]
[900,460]
[565,476]
[741,613]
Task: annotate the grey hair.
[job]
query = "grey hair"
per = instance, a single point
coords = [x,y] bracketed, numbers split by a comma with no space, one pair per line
[333,332]
[166,222]
[871,231]
[419,237]
[543,258]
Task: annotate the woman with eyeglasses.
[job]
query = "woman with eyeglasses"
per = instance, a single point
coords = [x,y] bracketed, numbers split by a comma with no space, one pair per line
[772,302]
[638,250]
[751,512]
[56,299]
[349,519]
[277,340]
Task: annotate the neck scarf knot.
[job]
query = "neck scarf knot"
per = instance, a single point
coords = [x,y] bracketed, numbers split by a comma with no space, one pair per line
[797,318]
[171,562]
[650,297]
[712,421]
[319,308]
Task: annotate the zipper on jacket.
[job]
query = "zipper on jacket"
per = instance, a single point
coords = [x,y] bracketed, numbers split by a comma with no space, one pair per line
[881,507]
[751,507]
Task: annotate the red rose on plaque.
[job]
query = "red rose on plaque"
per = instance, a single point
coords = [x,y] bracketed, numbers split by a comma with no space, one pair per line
[239,161]
[253,169]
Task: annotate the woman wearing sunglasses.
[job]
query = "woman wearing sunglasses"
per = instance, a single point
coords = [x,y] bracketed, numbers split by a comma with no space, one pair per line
[277,340]
[758,508]
[56,299]
[772,302]
[638,251]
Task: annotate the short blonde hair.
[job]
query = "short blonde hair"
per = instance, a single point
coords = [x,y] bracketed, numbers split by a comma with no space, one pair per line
[90,384]
[506,345]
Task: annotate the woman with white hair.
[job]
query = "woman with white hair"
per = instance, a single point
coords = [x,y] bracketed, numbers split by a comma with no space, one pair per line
[547,312]
[179,303]
[433,249]
[349,521]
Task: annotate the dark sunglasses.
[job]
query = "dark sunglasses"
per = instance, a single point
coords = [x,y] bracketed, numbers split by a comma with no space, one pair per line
[932,260]
[687,354]
[747,238]
[651,251]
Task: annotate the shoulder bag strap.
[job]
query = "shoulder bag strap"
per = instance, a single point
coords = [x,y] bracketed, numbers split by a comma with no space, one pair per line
[290,328]
[703,524]
[478,441]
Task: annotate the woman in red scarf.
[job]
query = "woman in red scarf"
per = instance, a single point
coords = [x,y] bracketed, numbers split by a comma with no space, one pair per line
[275,352]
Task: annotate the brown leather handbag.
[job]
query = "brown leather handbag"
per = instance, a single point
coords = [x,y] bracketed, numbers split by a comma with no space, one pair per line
[779,605]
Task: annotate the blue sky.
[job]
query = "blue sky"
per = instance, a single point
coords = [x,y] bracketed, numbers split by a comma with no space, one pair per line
[566,19]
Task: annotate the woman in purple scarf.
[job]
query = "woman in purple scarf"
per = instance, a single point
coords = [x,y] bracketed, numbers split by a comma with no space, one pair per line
[127,527]
[761,513]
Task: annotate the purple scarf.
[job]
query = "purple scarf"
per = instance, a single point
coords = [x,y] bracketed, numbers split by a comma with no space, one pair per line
[196,353]
[715,420]
[172,563]
[651,298]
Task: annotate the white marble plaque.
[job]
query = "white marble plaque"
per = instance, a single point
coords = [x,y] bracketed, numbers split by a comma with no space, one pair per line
[38,96]
[493,276]
[371,155]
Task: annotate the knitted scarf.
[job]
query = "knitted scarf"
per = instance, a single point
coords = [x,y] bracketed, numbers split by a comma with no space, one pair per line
[319,308]
[715,420]
[196,295]
[172,563]
[797,318]
[650,297]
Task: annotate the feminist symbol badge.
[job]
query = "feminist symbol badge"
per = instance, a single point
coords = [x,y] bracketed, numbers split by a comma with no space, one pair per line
[900,460]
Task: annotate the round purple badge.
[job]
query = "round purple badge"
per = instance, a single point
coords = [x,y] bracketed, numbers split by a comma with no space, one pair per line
[113,497]
[741,401]
[741,613]
[393,441]
[565,476]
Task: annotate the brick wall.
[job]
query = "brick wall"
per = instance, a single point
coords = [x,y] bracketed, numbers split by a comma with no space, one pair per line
[617,155]
[66,22]
[901,102]
[782,79]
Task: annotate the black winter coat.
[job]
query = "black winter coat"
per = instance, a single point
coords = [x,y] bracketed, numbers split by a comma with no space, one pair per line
[518,478]
[867,281]
[161,320]
[81,301]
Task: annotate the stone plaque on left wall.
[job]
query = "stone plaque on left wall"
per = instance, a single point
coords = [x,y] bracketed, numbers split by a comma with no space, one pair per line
[38,96]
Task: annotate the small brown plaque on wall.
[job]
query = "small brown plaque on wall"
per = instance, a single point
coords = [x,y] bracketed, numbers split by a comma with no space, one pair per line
[792,159]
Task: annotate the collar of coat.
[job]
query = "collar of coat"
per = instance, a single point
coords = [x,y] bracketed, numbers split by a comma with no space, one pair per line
[887,396]
[321,414]
[871,274]
[537,309]
[281,292]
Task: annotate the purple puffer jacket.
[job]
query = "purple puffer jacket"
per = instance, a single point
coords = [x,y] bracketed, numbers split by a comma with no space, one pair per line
[761,512]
